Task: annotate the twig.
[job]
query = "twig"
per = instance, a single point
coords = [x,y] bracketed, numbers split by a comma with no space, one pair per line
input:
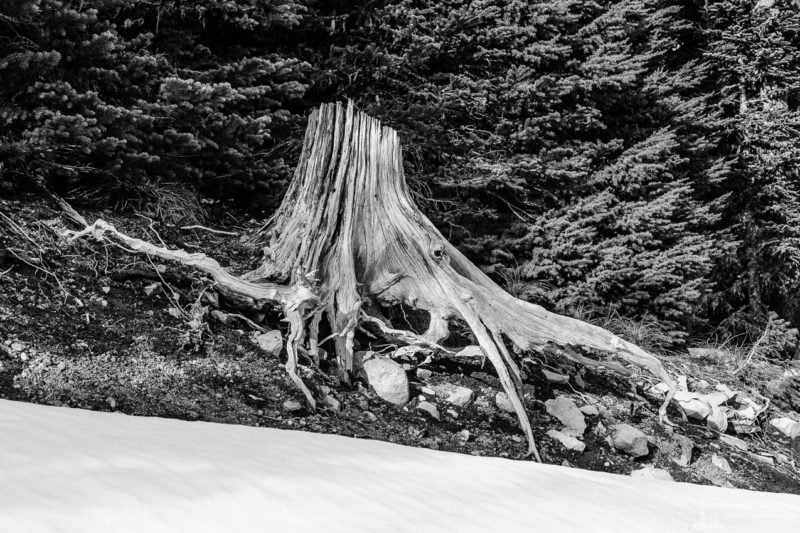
[218,231]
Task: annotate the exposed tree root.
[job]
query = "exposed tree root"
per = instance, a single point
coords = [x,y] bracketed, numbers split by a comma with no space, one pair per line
[295,301]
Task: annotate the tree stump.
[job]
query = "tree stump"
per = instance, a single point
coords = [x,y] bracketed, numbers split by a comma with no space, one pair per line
[348,240]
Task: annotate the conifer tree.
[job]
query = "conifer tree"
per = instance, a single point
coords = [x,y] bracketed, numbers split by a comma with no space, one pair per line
[753,52]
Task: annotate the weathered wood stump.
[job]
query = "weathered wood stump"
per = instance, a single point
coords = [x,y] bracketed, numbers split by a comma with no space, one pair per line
[348,240]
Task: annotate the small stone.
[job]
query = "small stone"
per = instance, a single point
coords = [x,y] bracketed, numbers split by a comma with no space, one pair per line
[786,426]
[271,342]
[686,446]
[152,289]
[682,384]
[568,441]
[17,346]
[174,312]
[659,389]
[428,390]
[554,377]
[590,410]
[332,402]
[629,440]
[105,290]
[370,416]
[193,415]
[292,406]
[23,357]
[502,401]
[103,303]
[112,403]
[727,390]
[453,413]
[565,410]
[692,405]
[459,396]
[221,316]
[650,472]
[463,436]
[430,409]
[424,374]
[387,378]
[715,398]
[566,463]
[718,419]
[600,429]
[721,463]
[701,385]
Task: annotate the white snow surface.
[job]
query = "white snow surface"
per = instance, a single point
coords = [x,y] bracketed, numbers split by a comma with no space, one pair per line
[69,470]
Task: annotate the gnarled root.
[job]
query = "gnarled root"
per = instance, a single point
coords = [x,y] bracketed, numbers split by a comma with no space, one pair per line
[295,301]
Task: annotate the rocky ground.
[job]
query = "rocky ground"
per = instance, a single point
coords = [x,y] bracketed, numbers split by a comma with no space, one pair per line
[92,326]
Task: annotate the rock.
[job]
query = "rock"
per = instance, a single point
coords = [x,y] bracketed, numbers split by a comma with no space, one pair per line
[429,391]
[430,409]
[554,377]
[153,289]
[221,316]
[565,410]
[686,446]
[463,436]
[718,419]
[332,402]
[682,383]
[17,346]
[600,429]
[459,396]
[787,426]
[629,440]
[590,410]
[701,385]
[734,442]
[659,389]
[566,463]
[727,390]
[650,472]
[292,406]
[112,403]
[692,405]
[453,413]
[407,354]
[370,416]
[424,374]
[105,289]
[503,402]
[387,378]
[568,441]
[715,398]
[271,342]
[721,463]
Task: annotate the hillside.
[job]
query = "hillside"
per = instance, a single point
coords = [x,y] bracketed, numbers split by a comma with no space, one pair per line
[88,325]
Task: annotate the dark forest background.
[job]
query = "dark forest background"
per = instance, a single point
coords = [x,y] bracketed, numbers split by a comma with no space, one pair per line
[630,161]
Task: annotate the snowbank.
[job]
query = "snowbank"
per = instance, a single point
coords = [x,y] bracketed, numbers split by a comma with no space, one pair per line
[69,470]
